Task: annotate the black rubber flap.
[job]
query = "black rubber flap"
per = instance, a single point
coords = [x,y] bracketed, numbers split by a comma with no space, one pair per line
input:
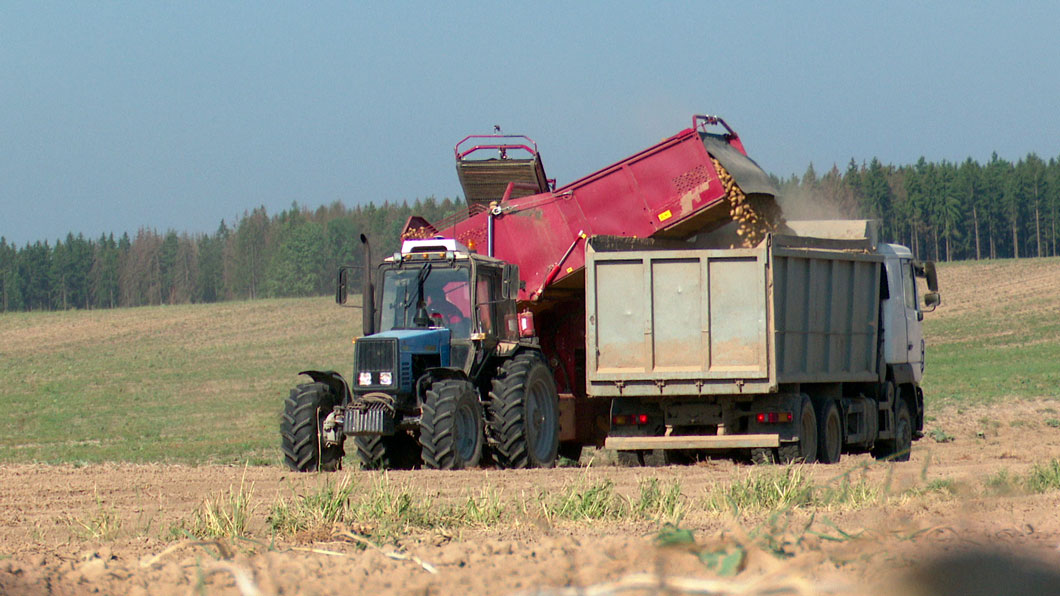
[748,175]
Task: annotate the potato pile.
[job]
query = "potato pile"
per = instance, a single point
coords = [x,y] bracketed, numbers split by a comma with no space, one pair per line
[755,216]
[423,233]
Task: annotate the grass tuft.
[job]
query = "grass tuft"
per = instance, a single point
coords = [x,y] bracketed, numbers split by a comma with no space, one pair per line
[225,516]
[313,512]
[584,502]
[1044,477]
[940,436]
[104,524]
[786,488]
[662,504]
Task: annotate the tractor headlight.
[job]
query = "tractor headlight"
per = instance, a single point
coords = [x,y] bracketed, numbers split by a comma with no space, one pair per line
[386,378]
[364,378]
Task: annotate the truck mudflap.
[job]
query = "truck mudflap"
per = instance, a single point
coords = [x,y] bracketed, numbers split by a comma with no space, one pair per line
[694,442]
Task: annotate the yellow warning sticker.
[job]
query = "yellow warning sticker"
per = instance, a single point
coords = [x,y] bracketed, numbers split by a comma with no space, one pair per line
[665,215]
[570,269]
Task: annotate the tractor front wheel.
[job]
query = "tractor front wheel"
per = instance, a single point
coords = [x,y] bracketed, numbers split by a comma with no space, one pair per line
[304,412]
[451,426]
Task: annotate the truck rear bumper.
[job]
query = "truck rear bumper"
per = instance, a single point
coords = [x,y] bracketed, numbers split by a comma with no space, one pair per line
[693,442]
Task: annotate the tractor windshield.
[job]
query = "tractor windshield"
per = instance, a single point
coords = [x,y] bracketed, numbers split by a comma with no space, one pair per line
[446,295]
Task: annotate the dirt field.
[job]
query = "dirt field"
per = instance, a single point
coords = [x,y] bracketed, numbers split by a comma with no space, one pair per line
[49,509]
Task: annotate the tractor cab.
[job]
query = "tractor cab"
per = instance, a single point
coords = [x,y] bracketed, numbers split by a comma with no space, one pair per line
[439,289]
[438,316]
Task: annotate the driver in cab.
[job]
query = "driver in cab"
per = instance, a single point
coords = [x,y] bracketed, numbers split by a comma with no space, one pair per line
[446,314]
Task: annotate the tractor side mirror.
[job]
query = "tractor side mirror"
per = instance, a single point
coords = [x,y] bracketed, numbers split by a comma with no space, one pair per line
[510,283]
[340,288]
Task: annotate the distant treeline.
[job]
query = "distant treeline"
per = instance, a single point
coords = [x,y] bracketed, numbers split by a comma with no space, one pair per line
[293,253]
[943,211]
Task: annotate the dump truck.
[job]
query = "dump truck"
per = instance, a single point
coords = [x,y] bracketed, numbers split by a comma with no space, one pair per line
[799,349]
[475,341]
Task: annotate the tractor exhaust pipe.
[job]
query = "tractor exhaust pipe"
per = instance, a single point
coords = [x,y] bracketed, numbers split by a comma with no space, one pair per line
[367,291]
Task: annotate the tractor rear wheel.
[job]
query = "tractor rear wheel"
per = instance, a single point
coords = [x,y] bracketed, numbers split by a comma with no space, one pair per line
[304,412]
[451,426]
[523,418]
[397,452]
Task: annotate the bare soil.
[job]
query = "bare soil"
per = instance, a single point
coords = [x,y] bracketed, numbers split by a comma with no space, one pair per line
[46,544]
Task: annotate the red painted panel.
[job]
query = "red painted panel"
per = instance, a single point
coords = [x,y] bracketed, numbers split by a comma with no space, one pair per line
[639,196]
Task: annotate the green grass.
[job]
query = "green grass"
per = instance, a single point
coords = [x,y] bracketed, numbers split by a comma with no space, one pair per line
[193,384]
[974,373]
[1005,347]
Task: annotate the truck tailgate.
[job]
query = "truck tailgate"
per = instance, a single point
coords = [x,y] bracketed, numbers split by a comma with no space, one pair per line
[678,322]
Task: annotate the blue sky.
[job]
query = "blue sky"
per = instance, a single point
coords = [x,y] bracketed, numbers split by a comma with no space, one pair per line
[175,115]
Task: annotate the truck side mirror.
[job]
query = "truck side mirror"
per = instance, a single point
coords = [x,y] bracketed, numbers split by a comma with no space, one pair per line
[932,276]
[932,300]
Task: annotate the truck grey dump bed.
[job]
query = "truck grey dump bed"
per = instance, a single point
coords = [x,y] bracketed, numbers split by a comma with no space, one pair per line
[712,322]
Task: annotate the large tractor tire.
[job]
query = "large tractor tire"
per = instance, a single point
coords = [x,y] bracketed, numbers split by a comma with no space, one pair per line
[398,452]
[523,421]
[898,448]
[829,433]
[304,412]
[451,426]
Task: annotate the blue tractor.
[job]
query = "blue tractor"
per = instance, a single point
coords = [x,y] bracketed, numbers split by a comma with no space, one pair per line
[442,377]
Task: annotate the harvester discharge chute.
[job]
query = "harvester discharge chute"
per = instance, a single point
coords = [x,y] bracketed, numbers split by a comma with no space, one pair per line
[691,183]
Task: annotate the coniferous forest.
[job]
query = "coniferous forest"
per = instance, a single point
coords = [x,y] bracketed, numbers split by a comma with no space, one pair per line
[943,211]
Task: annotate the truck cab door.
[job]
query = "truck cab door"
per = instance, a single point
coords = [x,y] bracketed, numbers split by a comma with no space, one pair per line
[913,316]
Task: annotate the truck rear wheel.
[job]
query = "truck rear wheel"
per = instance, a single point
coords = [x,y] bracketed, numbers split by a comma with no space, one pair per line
[805,449]
[451,426]
[829,433]
[524,413]
[397,452]
[304,412]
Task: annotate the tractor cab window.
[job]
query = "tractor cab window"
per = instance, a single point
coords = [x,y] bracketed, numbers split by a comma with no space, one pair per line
[446,293]
[487,295]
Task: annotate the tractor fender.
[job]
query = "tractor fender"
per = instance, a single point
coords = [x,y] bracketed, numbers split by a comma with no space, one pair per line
[437,373]
[332,379]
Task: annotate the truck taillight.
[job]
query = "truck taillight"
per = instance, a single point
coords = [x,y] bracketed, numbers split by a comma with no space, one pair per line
[629,419]
[773,417]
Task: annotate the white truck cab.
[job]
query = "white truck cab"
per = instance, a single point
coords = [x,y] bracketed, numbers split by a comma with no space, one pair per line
[902,310]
